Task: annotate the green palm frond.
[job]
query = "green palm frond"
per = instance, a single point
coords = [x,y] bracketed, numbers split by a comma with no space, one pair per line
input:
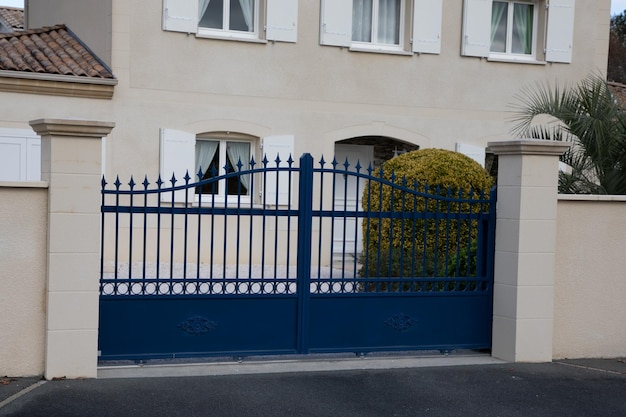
[588,115]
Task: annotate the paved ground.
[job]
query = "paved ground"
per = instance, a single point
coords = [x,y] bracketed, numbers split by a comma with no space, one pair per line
[569,388]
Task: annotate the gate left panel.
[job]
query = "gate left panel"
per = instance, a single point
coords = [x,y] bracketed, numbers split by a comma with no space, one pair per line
[194,278]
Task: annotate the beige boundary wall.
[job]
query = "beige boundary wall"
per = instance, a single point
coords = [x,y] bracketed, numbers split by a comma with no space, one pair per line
[23,231]
[590,281]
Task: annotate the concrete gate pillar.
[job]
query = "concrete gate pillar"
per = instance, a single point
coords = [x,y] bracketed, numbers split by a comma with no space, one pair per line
[523,305]
[71,159]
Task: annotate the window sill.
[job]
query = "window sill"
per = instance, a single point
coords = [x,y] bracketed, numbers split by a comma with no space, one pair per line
[230,37]
[380,50]
[515,60]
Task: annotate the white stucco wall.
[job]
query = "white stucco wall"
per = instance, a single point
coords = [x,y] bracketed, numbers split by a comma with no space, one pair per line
[23,240]
[319,94]
[590,287]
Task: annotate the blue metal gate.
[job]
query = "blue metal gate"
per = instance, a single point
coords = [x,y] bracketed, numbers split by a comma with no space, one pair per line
[251,275]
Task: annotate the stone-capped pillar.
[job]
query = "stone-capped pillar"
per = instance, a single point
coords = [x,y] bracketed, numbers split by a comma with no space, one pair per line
[71,159]
[523,305]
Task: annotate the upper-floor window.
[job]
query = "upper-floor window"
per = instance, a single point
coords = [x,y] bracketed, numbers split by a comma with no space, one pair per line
[246,20]
[519,30]
[387,26]
[378,22]
[513,28]
[237,16]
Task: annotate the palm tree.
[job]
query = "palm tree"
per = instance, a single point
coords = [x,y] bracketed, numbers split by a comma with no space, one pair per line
[588,115]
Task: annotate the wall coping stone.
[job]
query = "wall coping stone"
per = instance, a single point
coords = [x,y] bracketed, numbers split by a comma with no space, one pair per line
[528,147]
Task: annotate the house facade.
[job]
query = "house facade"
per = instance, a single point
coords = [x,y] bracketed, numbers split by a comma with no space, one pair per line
[322,77]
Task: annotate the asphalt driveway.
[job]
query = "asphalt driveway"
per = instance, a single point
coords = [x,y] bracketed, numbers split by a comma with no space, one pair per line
[569,388]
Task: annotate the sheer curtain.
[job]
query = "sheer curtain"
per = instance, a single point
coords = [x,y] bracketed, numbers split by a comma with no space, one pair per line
[247,7]
[362,20]
[205,151]
[498,11]
[203,6]
[240,151]
[523,29]
[389,22]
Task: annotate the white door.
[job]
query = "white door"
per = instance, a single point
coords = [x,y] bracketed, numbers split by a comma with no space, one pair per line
[347,234]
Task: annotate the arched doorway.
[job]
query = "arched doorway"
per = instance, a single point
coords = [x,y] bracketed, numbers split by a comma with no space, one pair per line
[366,150]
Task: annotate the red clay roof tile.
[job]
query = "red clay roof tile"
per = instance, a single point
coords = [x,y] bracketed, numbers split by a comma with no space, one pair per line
[12,17]
[50,50]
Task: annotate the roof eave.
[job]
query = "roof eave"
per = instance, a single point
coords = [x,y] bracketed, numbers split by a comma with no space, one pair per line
[57,85]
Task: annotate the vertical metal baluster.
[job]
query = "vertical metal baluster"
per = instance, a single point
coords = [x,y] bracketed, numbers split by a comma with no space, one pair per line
[425,232]
[278,169]
[145,231]
[173,182]
[447,239]
[158,244]
[289,164]
[225,237]
[199,240]
[251,192]
[366,258]
[458,235]
[391,220]
[380,226]
[103,184]
[131,184]
[263,224]
[117,226]
[345,220]
[356,219]
[414,230]
[332,218]
[469,233]
[459,249]
[436,245]
[186,230]
[238,215]
[319,242]
[214,185]
[402,237]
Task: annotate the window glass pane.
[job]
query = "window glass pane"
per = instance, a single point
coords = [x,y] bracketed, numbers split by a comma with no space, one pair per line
[499,16]
[208,159]
[389,22]
[238,153]
[214,14]
[242,15]
[522,29]
[362,20]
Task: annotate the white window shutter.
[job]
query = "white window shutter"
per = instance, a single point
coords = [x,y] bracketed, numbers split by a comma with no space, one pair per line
[427,16]
[282,20]
[476,28]
[277,186]
[560,31]
[181,15]
[20,155]
[178,158]
[12,159]
[477,153]
[336,23]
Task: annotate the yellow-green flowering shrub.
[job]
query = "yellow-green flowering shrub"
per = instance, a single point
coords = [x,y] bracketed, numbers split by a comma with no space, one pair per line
[420,247]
